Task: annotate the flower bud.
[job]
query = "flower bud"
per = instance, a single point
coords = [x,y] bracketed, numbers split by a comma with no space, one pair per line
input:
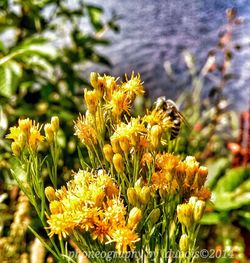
[49,134]
[25,124]
[118,163]
[91,100]
[203,171]
[199,210]
[108,152]
[184,243]
[144,195]
[94,79]
[16,149]
[124,144]
[55,123]
[202,176]
[155,136]
[115,145]
[132,196]
[135,216]
[50,193]
[192,201]
[192,165]
[185,215]
[155,215]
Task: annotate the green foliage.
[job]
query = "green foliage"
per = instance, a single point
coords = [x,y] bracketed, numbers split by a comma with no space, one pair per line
[44,46]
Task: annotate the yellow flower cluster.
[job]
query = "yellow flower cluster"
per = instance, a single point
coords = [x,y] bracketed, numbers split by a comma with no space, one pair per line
[141,179]
[106,104]
[172,175]
[27,135]
[91,203]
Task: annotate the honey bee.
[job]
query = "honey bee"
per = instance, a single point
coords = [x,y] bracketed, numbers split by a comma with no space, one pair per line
[170,108]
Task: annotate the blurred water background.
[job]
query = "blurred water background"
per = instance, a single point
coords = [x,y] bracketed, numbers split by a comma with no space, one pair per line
[153,32]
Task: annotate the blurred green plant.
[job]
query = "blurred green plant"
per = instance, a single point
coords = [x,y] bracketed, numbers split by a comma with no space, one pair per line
[43,48]
[229,216]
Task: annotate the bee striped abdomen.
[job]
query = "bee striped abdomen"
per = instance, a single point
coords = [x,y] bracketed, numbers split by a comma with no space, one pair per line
[176,128]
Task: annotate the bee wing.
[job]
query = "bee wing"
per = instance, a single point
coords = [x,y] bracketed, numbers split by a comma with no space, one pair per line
[184,120]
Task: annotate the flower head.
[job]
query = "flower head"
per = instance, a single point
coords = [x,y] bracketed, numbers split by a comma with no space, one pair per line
[125,239]
[133,87]
[85,132]
[118,104]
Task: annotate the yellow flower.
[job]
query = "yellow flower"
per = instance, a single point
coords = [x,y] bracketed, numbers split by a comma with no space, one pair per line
[35,137]
[160,181]
[147,159]
[60,224]
[132,196]
[118,104]
[91,100]
[101,229]
[125,239]
[110,84]
[115,212]
[118,162]
[85,132]
[55,123]
[155,136]
[49,134]
[26,133]
[14,134]
[158,117]
[16,149]
[199,210]
[128,135]
[144,195]
[185,215]
[56,207]
[134,218]
[133,86]
[25,124]
[108,152]
[167,161]
[50,193]
[184,243]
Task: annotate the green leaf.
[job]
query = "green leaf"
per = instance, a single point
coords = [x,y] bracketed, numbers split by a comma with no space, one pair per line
[226,201]
[232,179]
[10,73]
[210,219]
[216,167]
[6,88]
[95,13]
[3,122]
[244,219]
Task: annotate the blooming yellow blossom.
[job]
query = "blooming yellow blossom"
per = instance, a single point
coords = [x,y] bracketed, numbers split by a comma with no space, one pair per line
[26,134]
[133,87]
[119,103]
[35,137]
[85,132]
[125,239]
